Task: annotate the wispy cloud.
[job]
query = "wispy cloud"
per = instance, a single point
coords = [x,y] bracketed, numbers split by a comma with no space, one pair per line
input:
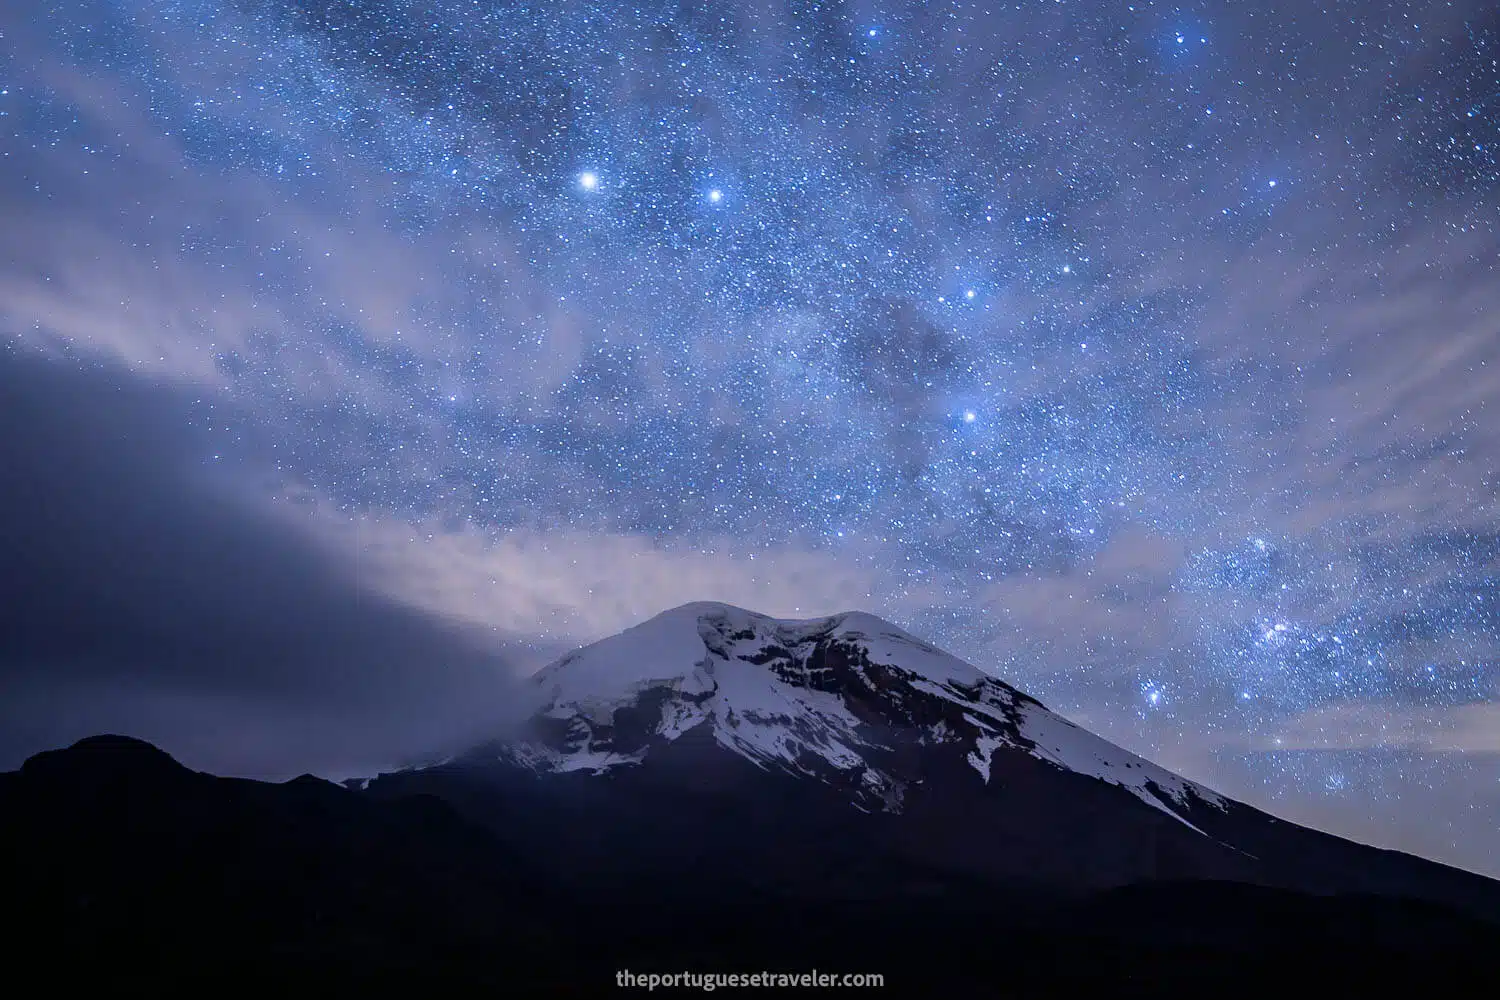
[576,587]
[1468,729]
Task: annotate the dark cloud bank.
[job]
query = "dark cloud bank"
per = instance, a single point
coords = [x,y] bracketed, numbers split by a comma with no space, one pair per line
[136,596]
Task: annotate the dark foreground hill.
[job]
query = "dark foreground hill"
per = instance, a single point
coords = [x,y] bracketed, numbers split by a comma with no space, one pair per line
[125,871]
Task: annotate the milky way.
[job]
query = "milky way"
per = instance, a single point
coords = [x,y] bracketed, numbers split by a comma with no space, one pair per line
[1145,355]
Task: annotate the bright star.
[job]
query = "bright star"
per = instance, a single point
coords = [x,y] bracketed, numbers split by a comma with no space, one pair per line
[588,180]
[716,196]
[969,294]
[970,416]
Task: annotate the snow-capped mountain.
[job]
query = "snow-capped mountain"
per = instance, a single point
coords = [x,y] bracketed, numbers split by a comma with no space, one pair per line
[832,699]
[712,753]
[718,789]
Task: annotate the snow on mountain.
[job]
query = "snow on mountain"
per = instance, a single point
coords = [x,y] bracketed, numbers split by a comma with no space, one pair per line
[827,698]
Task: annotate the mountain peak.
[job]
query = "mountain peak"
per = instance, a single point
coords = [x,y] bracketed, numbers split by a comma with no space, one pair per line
[108,753]
[848,699]
[115,743]
[680,647]
[698,610]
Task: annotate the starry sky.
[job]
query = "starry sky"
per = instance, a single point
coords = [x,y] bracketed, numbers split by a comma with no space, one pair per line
[358,356]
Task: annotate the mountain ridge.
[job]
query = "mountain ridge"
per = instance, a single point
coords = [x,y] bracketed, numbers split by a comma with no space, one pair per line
[133,871]
[711,723]
[697,793]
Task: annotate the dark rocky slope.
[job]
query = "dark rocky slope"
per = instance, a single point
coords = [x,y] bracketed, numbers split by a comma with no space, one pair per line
[125,870]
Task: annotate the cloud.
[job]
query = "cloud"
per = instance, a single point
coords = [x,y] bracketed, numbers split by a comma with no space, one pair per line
[1357,725]
[141,592]
[1120,599]
[575,587]
[137,252]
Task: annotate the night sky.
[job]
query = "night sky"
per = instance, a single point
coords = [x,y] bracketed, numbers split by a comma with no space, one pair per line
[360,356]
